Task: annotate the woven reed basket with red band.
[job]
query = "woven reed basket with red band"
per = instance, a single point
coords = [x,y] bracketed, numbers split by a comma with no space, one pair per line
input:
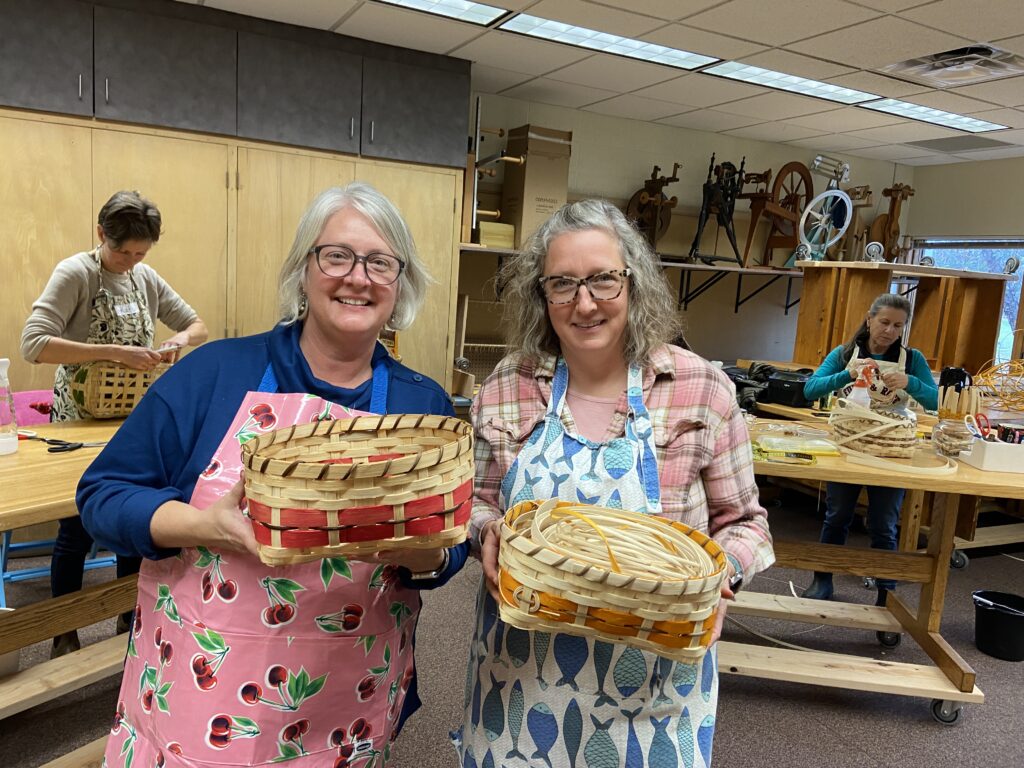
[622,577]
[358,486]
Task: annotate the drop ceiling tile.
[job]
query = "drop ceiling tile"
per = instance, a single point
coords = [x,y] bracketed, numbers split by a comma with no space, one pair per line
[709,120]
[492,80]
[779,23]
[777,131]
[777,105]
[518,53]
[949,101]
[635,108]
[908,130]
[558,93]
[700,90]
[701,41]
[993,154]
[795,64]
[592,16]
[837,142]
[408,29]
[1010,137]
[1009,91]
[880,85]
[318,14]
[1011,118]
[845,119]
[878,42]
[1012,44]
[897,152]
[615,73]
[889,6]
[985,22]
[668,10]
[933,160]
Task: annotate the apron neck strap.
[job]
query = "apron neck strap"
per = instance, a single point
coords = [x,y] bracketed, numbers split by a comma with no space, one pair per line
[378,395]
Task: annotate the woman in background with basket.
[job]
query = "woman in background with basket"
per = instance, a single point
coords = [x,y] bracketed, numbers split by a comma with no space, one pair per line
[899,376]
[253,663]
[103,305]
[593,405]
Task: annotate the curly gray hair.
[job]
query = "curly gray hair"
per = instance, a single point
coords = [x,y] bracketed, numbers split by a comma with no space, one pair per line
[652,316]
[386,219]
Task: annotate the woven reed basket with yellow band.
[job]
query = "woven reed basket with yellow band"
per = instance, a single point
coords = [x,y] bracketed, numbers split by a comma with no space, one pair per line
[106,390]
[860,429]
[358,486]
[623,577]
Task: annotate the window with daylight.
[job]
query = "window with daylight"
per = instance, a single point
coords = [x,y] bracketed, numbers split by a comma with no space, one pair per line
[985,256]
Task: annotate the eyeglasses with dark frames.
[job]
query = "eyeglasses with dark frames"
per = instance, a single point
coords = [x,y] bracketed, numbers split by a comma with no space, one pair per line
[339,261]
[603,286]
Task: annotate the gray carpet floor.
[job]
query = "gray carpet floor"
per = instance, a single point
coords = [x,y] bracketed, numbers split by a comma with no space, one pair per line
[760,722]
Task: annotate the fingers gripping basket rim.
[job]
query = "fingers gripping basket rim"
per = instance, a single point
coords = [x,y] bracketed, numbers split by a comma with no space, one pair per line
[623,577]
[108,390]
[358,486]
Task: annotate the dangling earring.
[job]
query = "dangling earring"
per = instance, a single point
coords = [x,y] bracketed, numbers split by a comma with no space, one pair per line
[303,304]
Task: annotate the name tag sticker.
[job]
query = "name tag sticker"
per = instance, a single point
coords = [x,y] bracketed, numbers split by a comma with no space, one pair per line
[129,308]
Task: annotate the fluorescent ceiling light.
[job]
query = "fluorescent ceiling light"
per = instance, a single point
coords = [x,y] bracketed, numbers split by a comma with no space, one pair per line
[582,37]
[475,13]
[934,116]
[735,70]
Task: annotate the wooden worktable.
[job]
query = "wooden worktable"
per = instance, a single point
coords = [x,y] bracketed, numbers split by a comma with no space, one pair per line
[38,486]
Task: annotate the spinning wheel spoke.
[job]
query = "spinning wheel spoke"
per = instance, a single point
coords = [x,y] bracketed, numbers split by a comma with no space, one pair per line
[824,221]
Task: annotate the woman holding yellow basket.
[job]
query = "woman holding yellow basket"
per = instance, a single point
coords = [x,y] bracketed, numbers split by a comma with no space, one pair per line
[594,406]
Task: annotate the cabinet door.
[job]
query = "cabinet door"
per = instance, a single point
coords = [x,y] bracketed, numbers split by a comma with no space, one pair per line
[430,201]
[415,114]
[187,180]
[46,55]
[294,93]
[163,71]
[47,216]
[274,190]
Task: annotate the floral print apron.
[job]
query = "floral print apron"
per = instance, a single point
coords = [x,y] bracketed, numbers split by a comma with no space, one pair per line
[123,320]
[232,662]
[538,698]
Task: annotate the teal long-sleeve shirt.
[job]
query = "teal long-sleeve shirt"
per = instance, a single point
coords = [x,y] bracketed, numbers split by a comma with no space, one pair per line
[832,375]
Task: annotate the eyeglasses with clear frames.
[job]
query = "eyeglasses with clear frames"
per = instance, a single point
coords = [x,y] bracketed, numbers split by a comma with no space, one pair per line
[339,261]
[603,286]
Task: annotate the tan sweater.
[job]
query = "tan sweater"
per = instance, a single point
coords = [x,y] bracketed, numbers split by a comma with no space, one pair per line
[64,308]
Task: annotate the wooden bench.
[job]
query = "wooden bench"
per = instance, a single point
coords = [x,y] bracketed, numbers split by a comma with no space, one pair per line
[89,756]
[34,623]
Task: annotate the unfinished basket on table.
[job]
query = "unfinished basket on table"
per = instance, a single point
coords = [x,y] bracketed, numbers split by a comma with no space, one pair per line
[106,390]
[876,433]
[358,486]
[623,577]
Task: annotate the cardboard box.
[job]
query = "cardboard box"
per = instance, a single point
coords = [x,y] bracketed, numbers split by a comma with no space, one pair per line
[537,188]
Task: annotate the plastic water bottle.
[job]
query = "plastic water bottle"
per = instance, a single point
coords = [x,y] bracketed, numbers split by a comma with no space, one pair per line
[861,394]
[8,425]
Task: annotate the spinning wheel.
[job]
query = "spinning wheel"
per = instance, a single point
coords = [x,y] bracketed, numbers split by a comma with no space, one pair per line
[651,214]
[783,204]
[824,221]
[885,229]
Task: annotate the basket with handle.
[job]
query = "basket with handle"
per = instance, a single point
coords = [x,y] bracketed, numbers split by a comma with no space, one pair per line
[619,576]
[360,485]
[107,390]
[875,433]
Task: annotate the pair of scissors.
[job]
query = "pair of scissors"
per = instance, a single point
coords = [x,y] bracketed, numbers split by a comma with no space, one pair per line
[57,445]
[978,425]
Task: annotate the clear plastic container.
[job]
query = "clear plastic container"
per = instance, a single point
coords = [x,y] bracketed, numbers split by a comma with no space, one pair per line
[950,436]
[8,424]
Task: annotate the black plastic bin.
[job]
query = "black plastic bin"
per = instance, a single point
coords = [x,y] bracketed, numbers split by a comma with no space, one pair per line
[999,624]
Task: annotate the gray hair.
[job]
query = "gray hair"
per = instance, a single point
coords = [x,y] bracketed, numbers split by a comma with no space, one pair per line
[884,301]
[386,219]
[652,316]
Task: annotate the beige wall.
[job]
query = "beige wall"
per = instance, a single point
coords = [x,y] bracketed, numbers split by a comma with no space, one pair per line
[979,199]
[611,158]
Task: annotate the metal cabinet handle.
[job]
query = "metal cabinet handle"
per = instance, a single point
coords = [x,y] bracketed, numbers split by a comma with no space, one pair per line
[106,89]
[79,86]
[352,128]
[371,131]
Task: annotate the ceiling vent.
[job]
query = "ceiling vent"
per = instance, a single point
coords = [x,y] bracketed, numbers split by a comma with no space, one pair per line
[960,144]
[962,66]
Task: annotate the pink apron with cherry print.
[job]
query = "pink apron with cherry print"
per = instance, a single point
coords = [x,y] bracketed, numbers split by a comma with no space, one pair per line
[232,662]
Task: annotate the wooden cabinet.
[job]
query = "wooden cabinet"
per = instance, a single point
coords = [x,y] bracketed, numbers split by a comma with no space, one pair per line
[46,55]
[164,71]
[46,199]
[415,114]
[294,93]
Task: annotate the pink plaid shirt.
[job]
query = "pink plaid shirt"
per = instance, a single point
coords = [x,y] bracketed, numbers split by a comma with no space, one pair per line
[705,465]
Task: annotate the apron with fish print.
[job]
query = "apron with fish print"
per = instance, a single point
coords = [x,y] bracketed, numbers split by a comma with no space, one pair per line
[232,662]
[538,698]
[878,392]
[122,320]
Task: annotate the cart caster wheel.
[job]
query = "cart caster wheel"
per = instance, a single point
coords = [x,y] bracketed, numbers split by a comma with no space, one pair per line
[889,639]
[869,583]
[958,560]
[946,712]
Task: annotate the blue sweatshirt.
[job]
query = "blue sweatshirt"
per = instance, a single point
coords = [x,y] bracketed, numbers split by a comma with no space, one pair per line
[157,454]
[832,375]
